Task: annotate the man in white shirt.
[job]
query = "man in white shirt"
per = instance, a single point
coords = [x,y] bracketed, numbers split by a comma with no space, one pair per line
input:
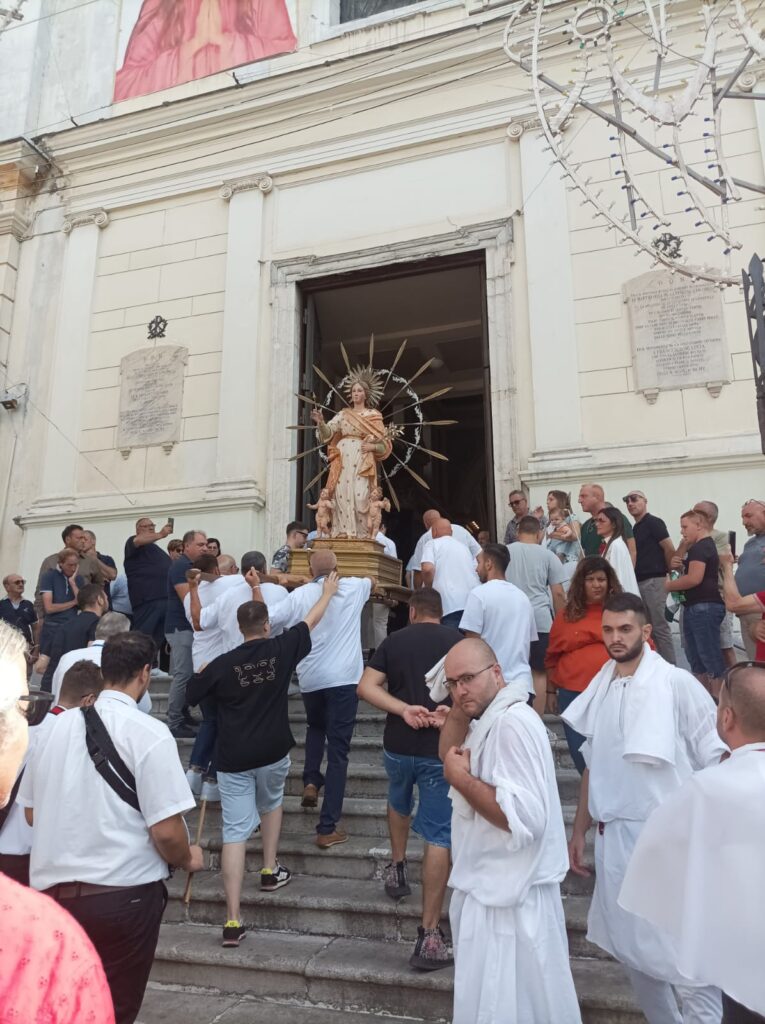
[220,614]
[209,643]
[648,726]
[698,862]
[109,625]
[450,568]
[103,858]
[206,645]
[414,565]
[540,575]
[82,685]
[328,678]
[508,851]
[502,615]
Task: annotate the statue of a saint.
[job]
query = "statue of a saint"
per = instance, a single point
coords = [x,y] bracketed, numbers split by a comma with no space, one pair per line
[356,440]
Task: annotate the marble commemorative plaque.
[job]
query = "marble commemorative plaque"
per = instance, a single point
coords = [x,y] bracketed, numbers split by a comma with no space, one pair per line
[151,396]
[677,331]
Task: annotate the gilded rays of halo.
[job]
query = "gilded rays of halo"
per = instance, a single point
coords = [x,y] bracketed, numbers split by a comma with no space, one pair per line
[375,383]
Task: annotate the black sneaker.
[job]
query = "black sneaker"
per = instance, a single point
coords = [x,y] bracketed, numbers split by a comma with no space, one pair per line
[233,933]
[396,880]
[270,881]
[183,732]
[431,952]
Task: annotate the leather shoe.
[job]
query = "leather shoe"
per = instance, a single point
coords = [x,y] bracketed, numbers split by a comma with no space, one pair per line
[333,839]
[310,796]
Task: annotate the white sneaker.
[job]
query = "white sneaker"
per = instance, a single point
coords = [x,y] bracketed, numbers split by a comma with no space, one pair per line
[194,780]
[210,792]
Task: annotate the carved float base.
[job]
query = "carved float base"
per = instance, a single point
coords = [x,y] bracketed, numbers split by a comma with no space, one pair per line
[354,558]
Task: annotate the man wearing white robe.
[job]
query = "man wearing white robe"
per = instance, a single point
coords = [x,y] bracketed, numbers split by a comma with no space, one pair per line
[508,851]
[648,726]
[698,870]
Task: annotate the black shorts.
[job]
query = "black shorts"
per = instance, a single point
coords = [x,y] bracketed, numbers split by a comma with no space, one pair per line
[538,651]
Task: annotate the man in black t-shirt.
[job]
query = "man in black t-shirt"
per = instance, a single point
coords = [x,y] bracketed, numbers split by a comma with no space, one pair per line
[250,688]
[410,750]
[655,551]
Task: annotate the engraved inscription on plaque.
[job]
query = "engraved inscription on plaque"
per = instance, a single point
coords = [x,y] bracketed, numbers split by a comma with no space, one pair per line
[151,396]
[677,332]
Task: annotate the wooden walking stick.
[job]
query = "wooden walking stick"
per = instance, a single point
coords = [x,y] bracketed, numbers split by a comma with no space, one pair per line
[200,826]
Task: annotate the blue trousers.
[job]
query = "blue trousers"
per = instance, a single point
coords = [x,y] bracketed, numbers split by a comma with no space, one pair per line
[331,716]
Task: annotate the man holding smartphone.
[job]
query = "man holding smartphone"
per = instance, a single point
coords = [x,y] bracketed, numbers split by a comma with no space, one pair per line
[146,568]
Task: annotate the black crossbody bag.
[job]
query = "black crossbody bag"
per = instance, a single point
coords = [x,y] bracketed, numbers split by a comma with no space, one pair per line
[5,811]
[107,761]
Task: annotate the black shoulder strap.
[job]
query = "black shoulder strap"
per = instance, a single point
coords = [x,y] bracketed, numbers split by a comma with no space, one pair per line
[107,761]
[5,811]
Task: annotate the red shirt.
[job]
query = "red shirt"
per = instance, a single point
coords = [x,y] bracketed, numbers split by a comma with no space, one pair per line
[576,652]
[49,971]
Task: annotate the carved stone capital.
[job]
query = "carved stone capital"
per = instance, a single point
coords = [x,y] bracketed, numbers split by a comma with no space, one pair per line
[746,81]
[75,220]
[228,189]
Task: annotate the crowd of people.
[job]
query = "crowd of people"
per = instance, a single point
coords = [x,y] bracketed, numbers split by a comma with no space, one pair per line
[562,617]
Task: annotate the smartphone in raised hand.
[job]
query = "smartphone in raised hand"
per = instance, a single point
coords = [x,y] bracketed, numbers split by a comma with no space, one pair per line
[171,522]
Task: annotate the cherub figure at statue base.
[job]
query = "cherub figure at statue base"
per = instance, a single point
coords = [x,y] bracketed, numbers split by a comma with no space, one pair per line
[324,508]
[377,504]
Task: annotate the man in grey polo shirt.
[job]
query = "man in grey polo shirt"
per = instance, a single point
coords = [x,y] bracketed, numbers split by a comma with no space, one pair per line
[750,575]
[539,574]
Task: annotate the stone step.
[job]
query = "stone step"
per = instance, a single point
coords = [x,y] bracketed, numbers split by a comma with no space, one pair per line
[333,973]
[315,972]
[334,906]
[173,1003]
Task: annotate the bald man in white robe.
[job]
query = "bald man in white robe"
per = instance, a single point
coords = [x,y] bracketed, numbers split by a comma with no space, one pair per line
[508,851]
[647,726]
[698,870]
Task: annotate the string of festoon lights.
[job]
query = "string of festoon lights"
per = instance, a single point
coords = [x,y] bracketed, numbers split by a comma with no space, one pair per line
[600,87]
[10,14]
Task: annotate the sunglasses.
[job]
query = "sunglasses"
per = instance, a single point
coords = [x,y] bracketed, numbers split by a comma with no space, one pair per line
[730,673]
[12,583]
[753,501]
[37,704]
[631,497]
[518,501]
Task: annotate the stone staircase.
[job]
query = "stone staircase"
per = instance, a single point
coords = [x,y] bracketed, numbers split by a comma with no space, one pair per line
[331,946]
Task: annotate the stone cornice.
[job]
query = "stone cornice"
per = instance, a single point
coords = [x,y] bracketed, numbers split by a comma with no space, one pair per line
[132,158]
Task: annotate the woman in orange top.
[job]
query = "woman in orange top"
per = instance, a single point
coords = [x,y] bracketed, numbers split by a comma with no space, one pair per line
[576,652]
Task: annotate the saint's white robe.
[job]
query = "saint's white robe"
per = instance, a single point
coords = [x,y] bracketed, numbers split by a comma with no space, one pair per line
[698,872]
[511,948]
[645,736]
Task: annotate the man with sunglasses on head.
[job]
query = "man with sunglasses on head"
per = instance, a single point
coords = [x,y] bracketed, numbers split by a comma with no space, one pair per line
[648,726]
[655,551]
[698,870]
[508,850]
[50,970]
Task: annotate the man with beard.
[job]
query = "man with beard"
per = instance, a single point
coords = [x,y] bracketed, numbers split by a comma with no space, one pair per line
[648,726]
[508,850]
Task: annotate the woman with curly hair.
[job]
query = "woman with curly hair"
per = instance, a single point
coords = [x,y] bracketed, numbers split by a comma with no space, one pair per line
[576,652]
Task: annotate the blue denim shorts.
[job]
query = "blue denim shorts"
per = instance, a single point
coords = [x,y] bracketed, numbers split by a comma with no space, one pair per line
[701,631]
[244,796]
[433,820]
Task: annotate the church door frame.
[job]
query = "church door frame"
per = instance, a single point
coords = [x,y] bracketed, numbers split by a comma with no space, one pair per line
[495,238]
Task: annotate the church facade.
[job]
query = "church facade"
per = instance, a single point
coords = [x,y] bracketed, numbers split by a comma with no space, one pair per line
[200,217]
